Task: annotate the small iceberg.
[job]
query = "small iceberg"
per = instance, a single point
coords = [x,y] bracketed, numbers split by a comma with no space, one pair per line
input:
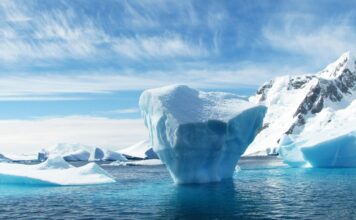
[79,152]
[339,151]
[4,159]
[141,150]
[54,171]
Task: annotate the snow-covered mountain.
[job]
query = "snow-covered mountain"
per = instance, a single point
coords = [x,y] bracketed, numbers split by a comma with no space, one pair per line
[306,106]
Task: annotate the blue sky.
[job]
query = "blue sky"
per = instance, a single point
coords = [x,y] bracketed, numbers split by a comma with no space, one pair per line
[89,60]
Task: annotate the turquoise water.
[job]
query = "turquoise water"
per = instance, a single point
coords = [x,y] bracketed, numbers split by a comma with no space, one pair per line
[262,189]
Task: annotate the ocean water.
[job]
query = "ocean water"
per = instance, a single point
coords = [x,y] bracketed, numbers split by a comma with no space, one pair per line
[262,189]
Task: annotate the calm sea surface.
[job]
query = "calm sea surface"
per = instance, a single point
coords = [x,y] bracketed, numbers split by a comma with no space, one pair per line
[262,189]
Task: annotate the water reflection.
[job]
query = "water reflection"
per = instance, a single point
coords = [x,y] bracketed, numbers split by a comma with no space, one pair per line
[211,200]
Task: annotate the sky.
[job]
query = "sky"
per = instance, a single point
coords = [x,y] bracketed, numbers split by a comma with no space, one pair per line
[71,71]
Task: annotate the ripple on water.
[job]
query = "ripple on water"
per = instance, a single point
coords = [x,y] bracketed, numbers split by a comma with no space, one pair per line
[263,188]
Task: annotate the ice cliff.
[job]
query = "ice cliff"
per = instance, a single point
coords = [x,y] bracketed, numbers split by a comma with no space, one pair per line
[198,135]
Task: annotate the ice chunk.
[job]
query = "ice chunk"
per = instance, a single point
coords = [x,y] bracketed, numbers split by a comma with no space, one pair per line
[97,154]
[54,171]
[4,159]
[113,156]
[335,152]
[199,136]
[78,155]
[141,150]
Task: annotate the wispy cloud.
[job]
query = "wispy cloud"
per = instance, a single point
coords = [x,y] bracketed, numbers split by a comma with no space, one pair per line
[66,34]
[56,86]
[158,47]
[123,111]
[298,34]
[22,136]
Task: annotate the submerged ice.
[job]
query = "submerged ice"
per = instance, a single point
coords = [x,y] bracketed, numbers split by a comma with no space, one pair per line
[54,171]
[199,136]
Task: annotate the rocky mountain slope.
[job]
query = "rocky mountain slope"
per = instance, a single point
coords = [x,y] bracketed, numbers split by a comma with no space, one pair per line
[300,104]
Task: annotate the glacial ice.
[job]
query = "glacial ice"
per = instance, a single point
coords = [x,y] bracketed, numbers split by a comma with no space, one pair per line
[140,150]
[339,151]
[78,152]
[335,152]
[54,171]
[4,159]
[199,136]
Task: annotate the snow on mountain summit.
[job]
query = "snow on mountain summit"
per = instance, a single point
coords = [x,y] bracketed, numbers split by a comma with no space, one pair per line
[335,69]
[298,103]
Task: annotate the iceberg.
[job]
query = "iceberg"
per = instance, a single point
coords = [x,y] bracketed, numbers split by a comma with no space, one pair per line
[336,152]
[199,136]
[339,151]
[112,156]
[78,155]
[78,152]
[54,171]
[4,159]
[140,150]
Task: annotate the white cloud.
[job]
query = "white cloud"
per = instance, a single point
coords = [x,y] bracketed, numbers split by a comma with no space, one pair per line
[123,111]
[57,86]
[25,136]
[157,47]
[321,43]
[63,34]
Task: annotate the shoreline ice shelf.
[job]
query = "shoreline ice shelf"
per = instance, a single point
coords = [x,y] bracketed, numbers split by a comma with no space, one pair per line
[199,136]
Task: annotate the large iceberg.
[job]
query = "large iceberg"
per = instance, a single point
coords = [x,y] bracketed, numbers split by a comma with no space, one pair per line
[199,136]
[54,171]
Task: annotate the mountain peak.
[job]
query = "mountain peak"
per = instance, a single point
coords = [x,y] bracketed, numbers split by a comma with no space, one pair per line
[335,69]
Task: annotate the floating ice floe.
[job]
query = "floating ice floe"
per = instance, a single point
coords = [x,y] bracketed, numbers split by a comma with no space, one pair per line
[199,136]
[54,171]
